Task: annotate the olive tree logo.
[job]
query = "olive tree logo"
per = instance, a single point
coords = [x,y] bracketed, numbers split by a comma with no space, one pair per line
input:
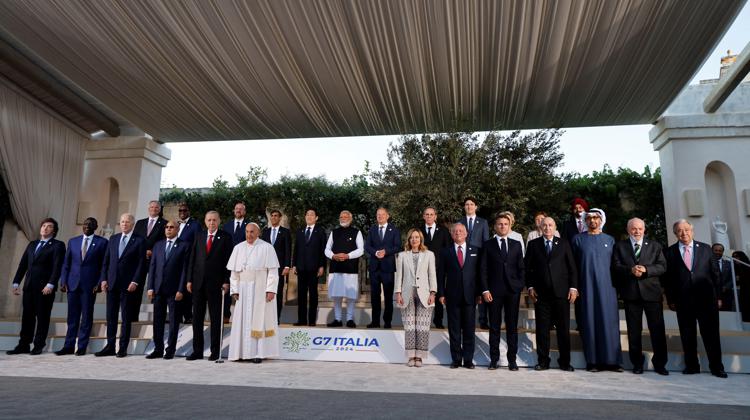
[296,341]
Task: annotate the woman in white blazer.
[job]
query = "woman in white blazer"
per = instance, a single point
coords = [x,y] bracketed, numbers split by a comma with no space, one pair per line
[415,289]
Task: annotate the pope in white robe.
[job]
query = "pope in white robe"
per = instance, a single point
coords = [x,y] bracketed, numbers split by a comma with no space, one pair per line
[253,283]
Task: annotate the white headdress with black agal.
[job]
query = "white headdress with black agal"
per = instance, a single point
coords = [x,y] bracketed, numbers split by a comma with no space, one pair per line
[601,214]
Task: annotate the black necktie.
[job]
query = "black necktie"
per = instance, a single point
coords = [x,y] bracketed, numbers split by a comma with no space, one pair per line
[503,248]
[429,232]
[237,227]
[307,234]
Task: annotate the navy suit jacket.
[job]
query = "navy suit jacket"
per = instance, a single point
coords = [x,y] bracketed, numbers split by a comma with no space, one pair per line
[238,235]
[283,245]
[501,276]
[157,232]
[554,274]
[310,256]
[166,276]
[119,272]
[699,284]
[40,267]
[391,243]
[480,234]
[86,273]
[458,285]
[192,227]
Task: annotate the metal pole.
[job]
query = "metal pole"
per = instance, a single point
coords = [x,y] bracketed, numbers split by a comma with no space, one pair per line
[221,336]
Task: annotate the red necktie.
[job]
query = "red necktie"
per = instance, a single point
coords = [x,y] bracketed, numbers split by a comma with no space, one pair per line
[460,257]
[209,243]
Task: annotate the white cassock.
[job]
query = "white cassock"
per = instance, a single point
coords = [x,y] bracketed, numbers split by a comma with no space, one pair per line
[254,271]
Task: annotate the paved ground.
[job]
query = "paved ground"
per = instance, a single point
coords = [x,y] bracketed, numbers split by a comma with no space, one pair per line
[38,386]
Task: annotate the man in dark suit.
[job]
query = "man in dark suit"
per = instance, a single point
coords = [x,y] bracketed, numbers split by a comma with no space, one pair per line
[692,288]
[281,239]
[638,265]
[478,233]
[725,278]
[436,238]
[502,278]
[166,280]
[81,270]
[152,230]
[382,244]
[236,229]
[457,288]
[188,228]
[552,280]
[122,270]
[206,277]
[40,264]
[576,223]
[308,264]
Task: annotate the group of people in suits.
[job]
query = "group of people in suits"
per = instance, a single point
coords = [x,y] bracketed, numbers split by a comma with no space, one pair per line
[437,271]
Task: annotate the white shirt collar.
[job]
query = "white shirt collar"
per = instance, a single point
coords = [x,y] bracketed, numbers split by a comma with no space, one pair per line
[383,226]
[211,233]
[633,241]
[311,227]
[463,246]
[240,221]
[426,226]
[90,237]
[682,246]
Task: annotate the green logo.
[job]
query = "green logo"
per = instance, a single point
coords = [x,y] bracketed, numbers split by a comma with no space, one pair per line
[296,341]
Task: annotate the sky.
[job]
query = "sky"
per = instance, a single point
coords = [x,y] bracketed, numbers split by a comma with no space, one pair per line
[339,158]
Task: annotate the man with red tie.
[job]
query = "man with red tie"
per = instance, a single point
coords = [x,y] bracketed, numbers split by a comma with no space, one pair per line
[206,277]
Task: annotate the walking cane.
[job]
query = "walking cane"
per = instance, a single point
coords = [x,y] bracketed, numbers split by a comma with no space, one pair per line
[221,337]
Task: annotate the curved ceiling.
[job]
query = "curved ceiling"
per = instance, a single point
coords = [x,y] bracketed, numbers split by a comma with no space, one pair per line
[186,70]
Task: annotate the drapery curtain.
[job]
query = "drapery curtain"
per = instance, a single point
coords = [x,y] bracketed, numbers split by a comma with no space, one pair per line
[248,69]
[42,163]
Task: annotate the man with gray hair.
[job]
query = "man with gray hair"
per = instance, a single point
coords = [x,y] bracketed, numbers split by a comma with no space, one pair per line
[638,263]
[151,229]
[344,248]
[124,262]
[694,292]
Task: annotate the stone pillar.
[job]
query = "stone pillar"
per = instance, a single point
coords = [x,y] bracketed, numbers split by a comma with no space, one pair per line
[120,175]
[704,164]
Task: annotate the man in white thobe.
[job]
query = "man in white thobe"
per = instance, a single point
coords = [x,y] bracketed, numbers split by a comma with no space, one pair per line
[345,246]
[253,281]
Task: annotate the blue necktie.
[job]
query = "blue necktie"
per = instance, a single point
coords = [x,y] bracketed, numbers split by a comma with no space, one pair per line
[123,244]
[307,235]
[273,236]
[549,247]
[169,249]
[39,246]
[382,233]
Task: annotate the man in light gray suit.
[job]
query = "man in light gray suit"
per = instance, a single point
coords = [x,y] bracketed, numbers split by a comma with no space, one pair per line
[477,233]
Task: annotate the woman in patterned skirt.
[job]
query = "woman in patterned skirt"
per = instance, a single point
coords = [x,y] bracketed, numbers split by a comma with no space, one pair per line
[415,288]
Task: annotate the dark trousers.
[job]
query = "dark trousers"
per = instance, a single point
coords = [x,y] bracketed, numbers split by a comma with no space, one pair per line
[134,302]
[482,309]
[117,303]
[35,318]
[438,314]
[504,306]
[184,308]
[386,280]
[280,296]
[634,310]
[80,317]
[550,310]
[161,303]
[707,316]
[461,326]
[307,285]
[211,297]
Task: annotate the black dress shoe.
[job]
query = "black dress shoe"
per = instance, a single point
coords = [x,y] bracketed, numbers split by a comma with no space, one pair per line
[213,357]
[439,326]
[122,353]
[469,365]
[592,368]
[719,374]
[373,325]
[335,323]
[299,324]
[662,371]
[484,326]
[493,366]
[65,351]
[106,351]
[155,355]
[19,350]
[194,356]
[455,365]
[257,360]
[541,367]
[638,370]
[311,324]
[169,355]
[618,368]
[568,368]
[81,352]
[512,366]
[387,326]
[350,324]
[691,371]
[36,351]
